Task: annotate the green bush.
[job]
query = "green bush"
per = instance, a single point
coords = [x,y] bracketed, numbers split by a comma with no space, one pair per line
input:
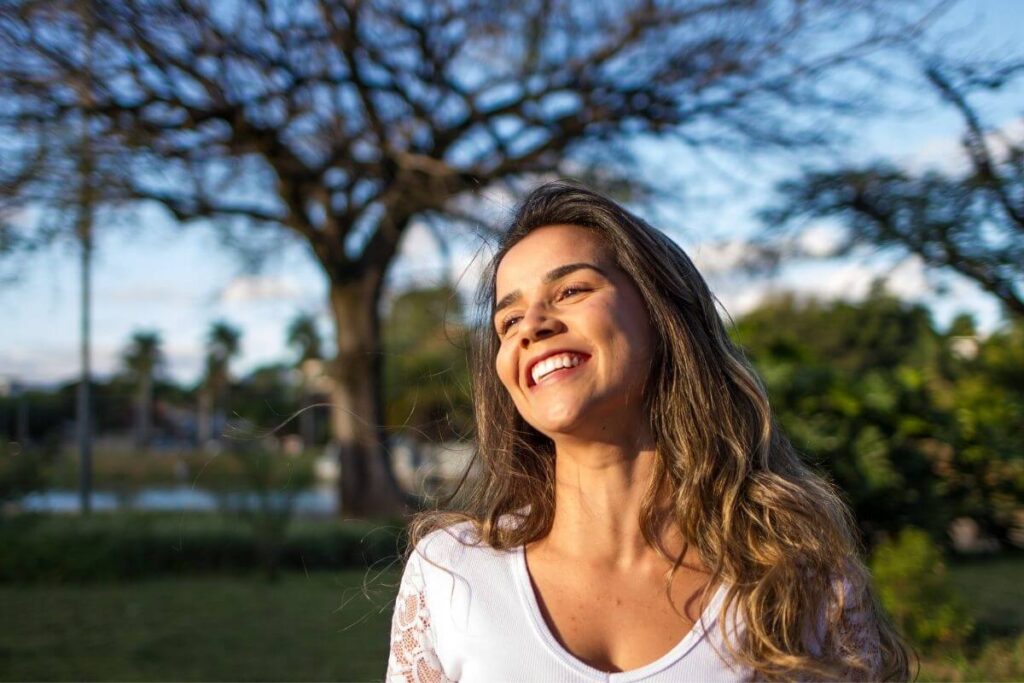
[274,482]
[997,660]
[119,546]
[915,589]
[21,471]
[209,471]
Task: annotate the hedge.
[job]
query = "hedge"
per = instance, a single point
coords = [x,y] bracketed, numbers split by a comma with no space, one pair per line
[117,546]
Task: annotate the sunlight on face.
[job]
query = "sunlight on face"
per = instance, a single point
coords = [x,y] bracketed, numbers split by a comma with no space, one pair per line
[575,336]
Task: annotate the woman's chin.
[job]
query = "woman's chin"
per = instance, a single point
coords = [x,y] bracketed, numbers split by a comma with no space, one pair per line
[584,415]
[559,423]
[586,425]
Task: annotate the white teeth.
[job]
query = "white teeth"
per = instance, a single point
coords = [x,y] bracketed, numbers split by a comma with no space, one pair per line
[549,365]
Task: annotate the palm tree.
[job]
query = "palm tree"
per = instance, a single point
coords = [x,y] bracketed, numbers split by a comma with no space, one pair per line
[304,337]
[223,342]
[142,358]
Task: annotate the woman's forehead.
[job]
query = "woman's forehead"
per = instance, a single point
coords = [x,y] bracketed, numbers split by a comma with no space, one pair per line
[548,248]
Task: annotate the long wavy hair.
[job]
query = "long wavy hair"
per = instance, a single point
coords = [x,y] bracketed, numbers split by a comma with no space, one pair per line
[777,534]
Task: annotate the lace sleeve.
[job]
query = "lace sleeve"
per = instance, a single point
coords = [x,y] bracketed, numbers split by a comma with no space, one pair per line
[412,658]
[856,634]
[860,634]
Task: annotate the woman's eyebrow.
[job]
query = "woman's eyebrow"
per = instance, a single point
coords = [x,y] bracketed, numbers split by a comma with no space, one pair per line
[552,275]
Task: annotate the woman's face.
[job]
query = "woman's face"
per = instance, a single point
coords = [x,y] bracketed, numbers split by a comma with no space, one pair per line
[575,340]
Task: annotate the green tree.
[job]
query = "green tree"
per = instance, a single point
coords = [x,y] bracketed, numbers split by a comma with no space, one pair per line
[984,467]
[263,400]
[223,343]
[850,385]
[304,339]
[22,471]
[142,359]
[267,505]
[913,425]
[914,588]
[426,379]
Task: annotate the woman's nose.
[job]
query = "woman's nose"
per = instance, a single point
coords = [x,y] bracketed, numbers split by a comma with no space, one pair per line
[537,324]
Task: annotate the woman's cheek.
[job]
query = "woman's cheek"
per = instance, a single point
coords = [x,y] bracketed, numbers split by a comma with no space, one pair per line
[503,366]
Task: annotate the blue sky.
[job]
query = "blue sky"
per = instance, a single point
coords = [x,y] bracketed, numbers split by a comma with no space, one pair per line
[152,274]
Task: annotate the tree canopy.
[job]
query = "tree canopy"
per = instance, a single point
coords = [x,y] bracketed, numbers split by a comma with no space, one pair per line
[915,430]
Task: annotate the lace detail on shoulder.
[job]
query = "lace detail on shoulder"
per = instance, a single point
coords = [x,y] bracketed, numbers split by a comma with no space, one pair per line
[857,634]
[412,658]
[860,634]
[849,637]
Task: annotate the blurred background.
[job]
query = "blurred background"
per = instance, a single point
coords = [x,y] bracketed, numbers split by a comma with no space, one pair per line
[239,242]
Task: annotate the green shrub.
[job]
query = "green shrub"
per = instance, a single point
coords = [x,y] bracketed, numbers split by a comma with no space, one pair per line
[273,482]
[21,471]
[915,590]
[997,660]
[117,546]
[138,470]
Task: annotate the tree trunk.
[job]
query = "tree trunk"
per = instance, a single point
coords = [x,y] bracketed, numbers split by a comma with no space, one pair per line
[147,411]
[84,405]
[143,408]
[367,485]
[307,418]
[204,431]
[21,417]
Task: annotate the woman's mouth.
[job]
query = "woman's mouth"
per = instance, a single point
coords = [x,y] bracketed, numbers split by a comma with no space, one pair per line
[556,366]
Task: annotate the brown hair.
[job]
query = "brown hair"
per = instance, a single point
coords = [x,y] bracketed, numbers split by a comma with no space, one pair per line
[776,533]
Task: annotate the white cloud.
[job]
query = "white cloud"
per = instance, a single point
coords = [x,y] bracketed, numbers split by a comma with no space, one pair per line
[819,240]
[946,154]
[850,279]
[149,294]
[58,363]
[55,363]
[183,360]
[909,279]
[945,293]
[254,288]
[714,258]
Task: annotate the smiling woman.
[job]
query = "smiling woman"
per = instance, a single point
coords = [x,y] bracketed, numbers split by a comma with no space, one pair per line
[640,515]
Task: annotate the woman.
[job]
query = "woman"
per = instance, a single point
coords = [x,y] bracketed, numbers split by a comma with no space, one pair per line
[639,515]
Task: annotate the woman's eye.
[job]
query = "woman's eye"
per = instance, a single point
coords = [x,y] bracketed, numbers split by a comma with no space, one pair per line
[508,322]
[570,291]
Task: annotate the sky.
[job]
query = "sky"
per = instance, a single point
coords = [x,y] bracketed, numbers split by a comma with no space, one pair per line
[151,274]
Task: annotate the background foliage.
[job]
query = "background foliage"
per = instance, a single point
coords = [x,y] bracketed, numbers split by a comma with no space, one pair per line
[913,431]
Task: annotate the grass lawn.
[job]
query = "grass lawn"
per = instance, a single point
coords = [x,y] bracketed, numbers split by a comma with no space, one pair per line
[324,626]
[991,588]
[318,627]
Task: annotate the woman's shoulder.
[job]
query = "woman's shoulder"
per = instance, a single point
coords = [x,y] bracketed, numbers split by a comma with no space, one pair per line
[457,544]
[449,540]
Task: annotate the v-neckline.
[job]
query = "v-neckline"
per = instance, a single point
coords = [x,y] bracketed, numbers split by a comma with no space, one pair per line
[531,602]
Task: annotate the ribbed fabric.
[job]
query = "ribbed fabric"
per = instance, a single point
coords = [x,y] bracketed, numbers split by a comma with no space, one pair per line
[469,613]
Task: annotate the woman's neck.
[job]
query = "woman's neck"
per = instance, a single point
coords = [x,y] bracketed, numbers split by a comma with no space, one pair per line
[599,491]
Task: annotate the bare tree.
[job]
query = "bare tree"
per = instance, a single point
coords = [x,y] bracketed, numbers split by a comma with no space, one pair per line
[342,121]
[971,222]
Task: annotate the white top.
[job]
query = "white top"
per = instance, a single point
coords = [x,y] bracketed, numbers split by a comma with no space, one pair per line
[469,613]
